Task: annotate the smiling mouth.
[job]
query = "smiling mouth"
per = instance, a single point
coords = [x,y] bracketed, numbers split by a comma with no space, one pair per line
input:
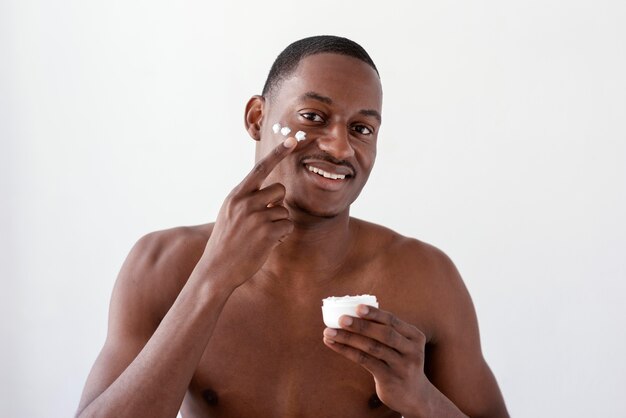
[326,174]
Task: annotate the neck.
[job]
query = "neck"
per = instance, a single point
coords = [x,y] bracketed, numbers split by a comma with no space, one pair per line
[315,251]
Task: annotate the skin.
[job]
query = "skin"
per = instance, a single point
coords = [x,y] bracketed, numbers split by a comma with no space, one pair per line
[224,319]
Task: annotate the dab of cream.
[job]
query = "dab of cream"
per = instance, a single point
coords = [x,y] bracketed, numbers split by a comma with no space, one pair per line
[300,136]
[286,130]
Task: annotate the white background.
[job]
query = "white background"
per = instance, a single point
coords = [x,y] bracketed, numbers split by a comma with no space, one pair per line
[503,143]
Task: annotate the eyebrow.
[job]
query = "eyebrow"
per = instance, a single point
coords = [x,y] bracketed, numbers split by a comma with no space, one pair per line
[316,96]
[372,112]
[327,100]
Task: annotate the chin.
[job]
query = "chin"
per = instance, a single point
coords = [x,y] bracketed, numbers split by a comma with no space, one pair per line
[325,213]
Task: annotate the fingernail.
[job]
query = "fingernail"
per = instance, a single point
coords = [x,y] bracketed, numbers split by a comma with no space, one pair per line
[329,332]
[346,321]
[363,310]
[289,142]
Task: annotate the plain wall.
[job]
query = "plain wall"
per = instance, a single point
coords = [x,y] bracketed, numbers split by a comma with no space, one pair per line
[503,143]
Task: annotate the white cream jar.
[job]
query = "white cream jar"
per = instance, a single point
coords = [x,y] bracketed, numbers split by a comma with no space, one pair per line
[333,307]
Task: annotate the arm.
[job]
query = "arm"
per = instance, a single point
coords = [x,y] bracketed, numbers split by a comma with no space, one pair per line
[455,363]
[450,380]
[145,366]
[144,370]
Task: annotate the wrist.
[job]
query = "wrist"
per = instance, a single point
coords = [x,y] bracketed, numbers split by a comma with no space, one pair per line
[420,405]
[430,403]
[215,277]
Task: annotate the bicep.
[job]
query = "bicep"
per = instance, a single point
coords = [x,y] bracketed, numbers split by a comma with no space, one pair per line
[454,360]
[462,374]
[131,324]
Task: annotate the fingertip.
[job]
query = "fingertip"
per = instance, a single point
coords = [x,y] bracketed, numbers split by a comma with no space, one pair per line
[290,142]
[345,321]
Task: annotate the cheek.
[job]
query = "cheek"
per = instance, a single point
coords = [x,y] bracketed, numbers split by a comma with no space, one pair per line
[365,155]
[269,139]
[298,123]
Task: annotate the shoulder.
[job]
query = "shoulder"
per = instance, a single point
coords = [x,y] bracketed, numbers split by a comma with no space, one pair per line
[156,269]
[427,286]
[416,255]
[160,248]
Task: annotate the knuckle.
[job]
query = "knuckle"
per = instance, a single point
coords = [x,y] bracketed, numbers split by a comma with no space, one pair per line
[230,208]
[391,335]
[278,151]
[412,329]
[418,356]
[419,335]
[361,325]
[245,204]
[362,358]
[234,201]
[231,197]
[260,167]
[394,321]
[374,347]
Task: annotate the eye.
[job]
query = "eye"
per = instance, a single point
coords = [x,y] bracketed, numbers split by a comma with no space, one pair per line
[362,129]
[312,116]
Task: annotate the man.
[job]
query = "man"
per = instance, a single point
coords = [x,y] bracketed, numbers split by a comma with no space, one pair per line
[224,319]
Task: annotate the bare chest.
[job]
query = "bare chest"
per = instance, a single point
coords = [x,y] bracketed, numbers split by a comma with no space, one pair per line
[269,361]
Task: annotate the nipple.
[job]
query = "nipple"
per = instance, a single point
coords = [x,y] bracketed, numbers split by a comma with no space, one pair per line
[210,396]
[374,402]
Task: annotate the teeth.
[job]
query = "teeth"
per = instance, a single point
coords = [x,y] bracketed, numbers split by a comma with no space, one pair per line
[325,173]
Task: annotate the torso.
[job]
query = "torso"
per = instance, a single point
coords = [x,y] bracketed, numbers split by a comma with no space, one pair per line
[266,357]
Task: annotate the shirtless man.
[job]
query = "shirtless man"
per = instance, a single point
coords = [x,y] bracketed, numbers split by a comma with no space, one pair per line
[224,319]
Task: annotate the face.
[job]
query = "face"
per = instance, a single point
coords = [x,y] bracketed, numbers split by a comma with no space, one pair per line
[337,101]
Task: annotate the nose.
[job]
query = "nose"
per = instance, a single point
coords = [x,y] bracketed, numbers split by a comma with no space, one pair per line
[336,142]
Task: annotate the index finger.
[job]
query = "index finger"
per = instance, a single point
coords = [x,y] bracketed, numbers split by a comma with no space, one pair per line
[387,318]
[265,165]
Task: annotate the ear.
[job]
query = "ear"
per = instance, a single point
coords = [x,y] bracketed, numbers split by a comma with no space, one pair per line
[254,116]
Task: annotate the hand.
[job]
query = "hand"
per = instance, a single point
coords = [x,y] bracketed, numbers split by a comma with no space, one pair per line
[390,349]
[251,222]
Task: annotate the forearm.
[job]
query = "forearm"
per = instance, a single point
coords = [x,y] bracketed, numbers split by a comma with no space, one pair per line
[435,404]
[155,383]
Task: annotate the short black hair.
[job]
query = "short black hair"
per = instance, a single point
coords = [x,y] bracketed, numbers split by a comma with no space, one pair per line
[288,60]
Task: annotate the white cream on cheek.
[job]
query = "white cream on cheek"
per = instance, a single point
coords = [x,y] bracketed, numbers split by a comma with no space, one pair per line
[300,136]
[286,130]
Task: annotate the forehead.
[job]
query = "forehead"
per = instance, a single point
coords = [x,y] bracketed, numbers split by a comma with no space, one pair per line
[346,80]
